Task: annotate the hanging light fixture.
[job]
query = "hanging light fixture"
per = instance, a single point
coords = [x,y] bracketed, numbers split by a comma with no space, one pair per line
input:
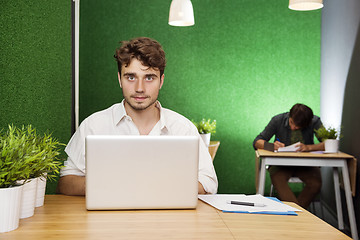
[305,5]
[181,13]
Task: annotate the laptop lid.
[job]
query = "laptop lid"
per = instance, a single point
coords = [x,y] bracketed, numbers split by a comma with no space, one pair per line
[141,172]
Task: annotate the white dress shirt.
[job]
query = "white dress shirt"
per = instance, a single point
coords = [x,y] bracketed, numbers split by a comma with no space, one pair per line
[115,121]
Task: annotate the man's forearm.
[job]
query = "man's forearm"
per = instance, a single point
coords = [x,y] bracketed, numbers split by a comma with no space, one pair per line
[317,147]
[201,189]
[71,185]
[259,144]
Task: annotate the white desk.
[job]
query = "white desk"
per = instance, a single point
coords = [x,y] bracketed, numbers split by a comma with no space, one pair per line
[334,160]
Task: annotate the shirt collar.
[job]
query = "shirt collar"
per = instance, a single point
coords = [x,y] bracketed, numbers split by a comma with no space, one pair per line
[120,114]
[286,123]
[162,117]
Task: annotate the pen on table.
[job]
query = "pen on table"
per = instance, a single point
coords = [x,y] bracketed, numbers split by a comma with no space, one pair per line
[246,204]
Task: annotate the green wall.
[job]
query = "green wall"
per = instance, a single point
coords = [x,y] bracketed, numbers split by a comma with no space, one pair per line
[241,63]
[35,66]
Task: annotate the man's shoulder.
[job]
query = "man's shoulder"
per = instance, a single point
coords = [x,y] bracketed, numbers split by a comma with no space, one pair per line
[105,112]
[173,118]
[316,121]
[170,114]
[102,116]
[281,116]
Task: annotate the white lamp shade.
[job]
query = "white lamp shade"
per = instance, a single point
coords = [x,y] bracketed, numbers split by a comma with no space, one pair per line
[305,5]
[181,13]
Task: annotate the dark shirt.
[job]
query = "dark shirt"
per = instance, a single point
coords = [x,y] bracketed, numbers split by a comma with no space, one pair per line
[279,126]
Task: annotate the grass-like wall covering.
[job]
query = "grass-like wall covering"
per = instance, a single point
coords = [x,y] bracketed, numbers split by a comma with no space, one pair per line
[241,63]
[35,67]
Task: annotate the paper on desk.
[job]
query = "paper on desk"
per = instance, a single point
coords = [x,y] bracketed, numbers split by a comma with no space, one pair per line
[290,148]
[219,201]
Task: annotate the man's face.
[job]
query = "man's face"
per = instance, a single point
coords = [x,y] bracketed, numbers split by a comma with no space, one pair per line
[292,125]
[140,84]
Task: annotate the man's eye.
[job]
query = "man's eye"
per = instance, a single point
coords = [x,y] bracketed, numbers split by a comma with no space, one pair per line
[149,78]
[131,78]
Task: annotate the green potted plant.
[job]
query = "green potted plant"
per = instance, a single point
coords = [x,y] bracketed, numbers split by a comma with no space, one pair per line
[15,162]
[205,129]
[48,165]
[330,136]
[24,155]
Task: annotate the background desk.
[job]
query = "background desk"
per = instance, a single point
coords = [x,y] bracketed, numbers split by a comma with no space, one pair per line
[213,147]
[334,160]
[65,217]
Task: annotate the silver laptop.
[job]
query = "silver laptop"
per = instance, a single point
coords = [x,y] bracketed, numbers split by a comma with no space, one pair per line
[141,172]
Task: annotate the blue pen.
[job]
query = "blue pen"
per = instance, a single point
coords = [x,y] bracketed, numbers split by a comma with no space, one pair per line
[277,139]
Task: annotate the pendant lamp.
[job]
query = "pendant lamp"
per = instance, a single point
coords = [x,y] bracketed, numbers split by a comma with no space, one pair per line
[181,13]
[305,5]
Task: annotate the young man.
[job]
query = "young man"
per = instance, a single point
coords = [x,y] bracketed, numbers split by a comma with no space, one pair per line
[141,64]
[298,125]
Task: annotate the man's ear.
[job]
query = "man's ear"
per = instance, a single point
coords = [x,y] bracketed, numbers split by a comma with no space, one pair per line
[162,80]
[119,79]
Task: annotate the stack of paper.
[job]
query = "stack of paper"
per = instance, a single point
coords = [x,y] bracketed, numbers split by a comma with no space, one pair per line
[270,206]
[290,148]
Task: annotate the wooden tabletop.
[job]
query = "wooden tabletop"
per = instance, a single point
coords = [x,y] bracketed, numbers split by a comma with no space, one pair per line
[266,153]
[65,217]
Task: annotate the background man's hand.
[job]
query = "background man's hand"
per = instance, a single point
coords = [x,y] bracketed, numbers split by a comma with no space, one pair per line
[278,145]
[303,148]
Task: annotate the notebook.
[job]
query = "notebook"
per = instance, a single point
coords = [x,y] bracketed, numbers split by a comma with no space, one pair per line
[141,172]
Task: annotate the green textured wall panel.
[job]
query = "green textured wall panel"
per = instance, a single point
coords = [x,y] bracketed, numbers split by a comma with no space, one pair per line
[35,66]
[241,63]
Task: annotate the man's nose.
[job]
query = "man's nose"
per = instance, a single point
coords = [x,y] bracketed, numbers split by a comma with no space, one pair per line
[139,86]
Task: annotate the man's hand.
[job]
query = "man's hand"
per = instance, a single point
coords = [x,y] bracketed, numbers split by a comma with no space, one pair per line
[303,148]
[278,145]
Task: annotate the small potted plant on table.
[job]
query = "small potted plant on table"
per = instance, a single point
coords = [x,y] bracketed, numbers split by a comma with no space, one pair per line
[330,136]
[24,155]
[14,166]
[205,129]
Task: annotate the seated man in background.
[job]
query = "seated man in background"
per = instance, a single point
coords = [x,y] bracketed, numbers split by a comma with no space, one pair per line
[141,64]
[298,125]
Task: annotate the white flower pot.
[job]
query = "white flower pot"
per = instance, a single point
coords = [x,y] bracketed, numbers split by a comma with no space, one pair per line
[10,202]
[206,138]
[331,145]
[40,194]
[28,198]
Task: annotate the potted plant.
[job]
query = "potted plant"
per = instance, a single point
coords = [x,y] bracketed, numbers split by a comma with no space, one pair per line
[24,156]
[15,162]
[48,165]
[45,148]
[331,137]
[205,129]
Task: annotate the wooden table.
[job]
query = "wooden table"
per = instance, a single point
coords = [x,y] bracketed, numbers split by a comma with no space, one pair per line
[213,147]
[65,217]
[334,160]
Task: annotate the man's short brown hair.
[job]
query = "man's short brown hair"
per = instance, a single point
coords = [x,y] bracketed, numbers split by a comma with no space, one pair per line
[302,115]
[148,51]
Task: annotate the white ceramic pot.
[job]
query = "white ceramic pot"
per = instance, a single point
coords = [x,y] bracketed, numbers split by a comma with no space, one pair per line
[28,198]
[40,194]
[331,145]
[206,138]
[10,202]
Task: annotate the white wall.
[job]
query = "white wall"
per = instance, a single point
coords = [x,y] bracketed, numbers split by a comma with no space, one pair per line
[340,26]
[340,21]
